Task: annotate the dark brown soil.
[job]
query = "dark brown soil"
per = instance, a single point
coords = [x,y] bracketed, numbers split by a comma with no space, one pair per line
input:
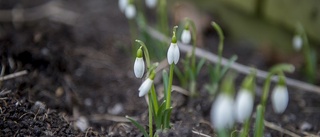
[84,71]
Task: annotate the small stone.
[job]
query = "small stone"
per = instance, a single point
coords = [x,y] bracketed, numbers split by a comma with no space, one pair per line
[82,123]
[38,107]
[305,126]
[59,92]
[88,102]
[116,109]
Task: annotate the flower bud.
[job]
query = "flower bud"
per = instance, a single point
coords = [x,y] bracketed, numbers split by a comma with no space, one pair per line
[151,3]
[122,5]
[297,42]
[146,85]
[186,36]
[139,65]
[222,112]
[243,105]
[280,98]
[130,11]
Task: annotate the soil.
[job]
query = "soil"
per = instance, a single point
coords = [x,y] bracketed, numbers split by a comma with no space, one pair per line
[82,73]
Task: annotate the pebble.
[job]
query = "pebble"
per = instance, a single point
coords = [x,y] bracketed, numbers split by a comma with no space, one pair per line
[116,109]
[305,126]
[82,123]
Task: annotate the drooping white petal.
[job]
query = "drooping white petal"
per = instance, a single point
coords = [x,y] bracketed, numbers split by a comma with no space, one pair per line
[139,67]
[222,112]
[173,54]
[186,36]
[122,5]
[176,54]
[297,42]
[130,11]
[151,3]
[280,98]
[243,105]
[145,87]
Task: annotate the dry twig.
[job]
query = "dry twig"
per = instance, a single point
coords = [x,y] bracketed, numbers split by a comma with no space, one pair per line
[50,10]
[14,75]
[280,129]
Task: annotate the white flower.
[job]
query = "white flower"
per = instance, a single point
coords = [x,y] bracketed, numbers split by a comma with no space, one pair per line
[243,105]
[151,3]
[122,5]
[297,42]
[145,87]
[139,67]
[280,98]
[222,112]
[186,36]
[173,54]
[130,11]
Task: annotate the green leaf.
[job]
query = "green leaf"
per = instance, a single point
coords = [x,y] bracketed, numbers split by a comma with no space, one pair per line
[140,127]
[259,125]
[167,114]
[200,65]
[159,117]
[226,68]
[165,78]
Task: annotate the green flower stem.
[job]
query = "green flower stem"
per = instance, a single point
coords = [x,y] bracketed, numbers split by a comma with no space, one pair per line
[168,99]
[221,43]
[150,116]
[145,52]
[194,43]
[193,82]
[154,100]
[245,131]
[258,131]
[162,17]
[276,69]
[308,55]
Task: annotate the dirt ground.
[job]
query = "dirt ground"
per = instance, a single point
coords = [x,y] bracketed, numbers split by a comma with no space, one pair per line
[81,72]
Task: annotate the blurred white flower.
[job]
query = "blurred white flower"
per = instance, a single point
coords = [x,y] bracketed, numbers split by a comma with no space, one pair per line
[151,3]
[145,87]
[280,98]
[186,36]
[173,54]
[222,112]
[243,105]
[297,42]
[122,5]
[139,67]
[130,11]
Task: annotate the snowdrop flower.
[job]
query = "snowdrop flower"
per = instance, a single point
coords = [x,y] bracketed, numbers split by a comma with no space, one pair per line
[122,5]
[243,105]
[186,36]
[139,65]
[130,11]
[146,85]
[280,98]
[173,53]
[151,3]
[297,42]
[222,112]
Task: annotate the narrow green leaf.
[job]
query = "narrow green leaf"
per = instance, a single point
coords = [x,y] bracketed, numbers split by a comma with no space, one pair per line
[167,114]
[159,117]
[140,127]
[259,125]
[226,68]
[245,130]
[165,78]
[200,65]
